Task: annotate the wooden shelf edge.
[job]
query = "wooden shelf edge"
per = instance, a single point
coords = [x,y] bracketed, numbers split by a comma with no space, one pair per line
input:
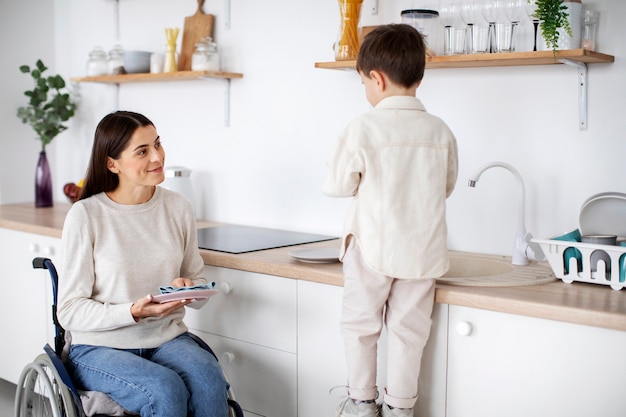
[165,76]
[495,60]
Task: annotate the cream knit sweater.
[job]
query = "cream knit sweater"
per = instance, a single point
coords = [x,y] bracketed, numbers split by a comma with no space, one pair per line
[113,255]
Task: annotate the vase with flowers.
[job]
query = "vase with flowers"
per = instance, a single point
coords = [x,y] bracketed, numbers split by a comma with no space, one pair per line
[49,106]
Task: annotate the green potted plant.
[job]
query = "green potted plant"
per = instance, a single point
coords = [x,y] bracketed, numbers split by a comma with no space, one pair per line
[552,15]
[49,107]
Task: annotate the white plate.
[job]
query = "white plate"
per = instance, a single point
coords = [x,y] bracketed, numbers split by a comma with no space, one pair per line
[317,255]
[184,295]
[604,214]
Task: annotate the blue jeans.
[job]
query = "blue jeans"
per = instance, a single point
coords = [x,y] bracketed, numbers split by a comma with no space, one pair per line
[177,379]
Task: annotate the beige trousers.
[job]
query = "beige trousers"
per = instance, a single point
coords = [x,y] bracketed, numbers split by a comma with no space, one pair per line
[370,300]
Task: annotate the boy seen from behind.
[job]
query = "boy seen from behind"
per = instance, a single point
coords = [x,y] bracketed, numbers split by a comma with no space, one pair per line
[399,164]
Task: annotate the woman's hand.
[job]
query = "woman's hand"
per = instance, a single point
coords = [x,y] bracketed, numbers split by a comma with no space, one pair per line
[182,282]
[146,307]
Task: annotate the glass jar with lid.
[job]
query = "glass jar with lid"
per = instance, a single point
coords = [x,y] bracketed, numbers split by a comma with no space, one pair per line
[205,56]
[115,62]
[97,62]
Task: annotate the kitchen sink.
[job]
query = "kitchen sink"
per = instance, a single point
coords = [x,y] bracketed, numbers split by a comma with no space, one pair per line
[479,270]
[463,264]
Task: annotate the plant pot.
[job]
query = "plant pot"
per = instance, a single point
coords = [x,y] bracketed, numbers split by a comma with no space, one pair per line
[43,182]
[574,11]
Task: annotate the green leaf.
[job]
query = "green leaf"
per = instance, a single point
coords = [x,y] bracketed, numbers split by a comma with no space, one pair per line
[48,105]
[41,66]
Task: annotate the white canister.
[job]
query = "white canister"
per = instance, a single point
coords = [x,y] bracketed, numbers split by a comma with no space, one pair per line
[178,179]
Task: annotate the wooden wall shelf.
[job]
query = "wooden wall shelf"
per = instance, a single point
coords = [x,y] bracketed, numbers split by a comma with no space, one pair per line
[578,58]
[163,76]
[167,76]
[496,60]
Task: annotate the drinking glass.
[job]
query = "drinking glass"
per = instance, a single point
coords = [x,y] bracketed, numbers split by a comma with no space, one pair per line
[470,13]
[531,8]
[504,37]
[490,11]
[504,30]
[455,41]
[448,16]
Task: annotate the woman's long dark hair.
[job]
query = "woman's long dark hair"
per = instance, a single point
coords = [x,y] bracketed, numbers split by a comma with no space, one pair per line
[112,136]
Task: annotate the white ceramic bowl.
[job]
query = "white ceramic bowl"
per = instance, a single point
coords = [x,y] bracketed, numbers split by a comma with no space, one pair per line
[136,62]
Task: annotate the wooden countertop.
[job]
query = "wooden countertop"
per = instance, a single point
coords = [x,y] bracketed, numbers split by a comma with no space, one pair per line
[587,304]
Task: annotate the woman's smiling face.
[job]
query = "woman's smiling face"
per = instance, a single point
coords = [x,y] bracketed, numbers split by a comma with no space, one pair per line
[141,163]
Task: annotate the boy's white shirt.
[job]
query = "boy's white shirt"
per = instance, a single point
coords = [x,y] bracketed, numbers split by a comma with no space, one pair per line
[400,163]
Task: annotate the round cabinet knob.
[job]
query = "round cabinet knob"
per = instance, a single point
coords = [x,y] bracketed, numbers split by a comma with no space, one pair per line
[464,328]
[226,287]
[33,248]
[48,250]
[228,357]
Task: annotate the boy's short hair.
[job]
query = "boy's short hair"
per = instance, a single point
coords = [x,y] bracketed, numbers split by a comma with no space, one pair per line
[398,50]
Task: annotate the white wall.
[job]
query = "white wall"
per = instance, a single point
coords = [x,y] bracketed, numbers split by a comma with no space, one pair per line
[27,28]
[267,168]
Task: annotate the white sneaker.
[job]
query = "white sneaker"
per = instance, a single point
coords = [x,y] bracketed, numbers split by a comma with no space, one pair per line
[396,412]
[349,408]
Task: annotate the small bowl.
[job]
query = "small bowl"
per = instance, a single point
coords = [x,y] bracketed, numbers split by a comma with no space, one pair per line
[137,62]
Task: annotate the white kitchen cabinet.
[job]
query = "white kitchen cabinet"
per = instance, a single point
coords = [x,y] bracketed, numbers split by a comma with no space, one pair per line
[508,365]
[251,326]
[263,379]
[27,297]
[252,307]
[321,359]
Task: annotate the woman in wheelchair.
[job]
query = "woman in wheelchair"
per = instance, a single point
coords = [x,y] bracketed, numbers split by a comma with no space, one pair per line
[122,240]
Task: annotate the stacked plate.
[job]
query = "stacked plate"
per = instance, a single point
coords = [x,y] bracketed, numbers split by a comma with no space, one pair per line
[604,214]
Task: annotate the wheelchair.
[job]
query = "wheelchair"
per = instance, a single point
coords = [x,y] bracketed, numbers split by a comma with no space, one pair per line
[45,388]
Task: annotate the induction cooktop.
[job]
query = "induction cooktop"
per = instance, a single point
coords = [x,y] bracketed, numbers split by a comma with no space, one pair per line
[242,239]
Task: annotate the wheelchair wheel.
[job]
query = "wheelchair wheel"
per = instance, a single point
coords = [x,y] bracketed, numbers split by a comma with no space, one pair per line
[41,392]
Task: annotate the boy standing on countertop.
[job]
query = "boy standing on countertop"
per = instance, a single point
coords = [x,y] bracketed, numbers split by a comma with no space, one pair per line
[400,164]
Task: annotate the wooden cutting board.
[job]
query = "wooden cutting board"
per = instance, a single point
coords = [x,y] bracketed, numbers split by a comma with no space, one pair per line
[196,27]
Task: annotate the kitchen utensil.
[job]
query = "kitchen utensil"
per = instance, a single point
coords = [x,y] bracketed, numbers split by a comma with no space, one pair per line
[569,253]
[604,214]
[599,254]
[137,62]
[97,62]
[198,26]
[427,23]
[179,179]
[316,255]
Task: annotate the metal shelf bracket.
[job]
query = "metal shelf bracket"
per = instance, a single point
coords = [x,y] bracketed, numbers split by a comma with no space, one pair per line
[581,68]
[227,13]
[226,100]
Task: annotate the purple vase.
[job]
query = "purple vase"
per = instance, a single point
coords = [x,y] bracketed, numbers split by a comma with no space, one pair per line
[43,182]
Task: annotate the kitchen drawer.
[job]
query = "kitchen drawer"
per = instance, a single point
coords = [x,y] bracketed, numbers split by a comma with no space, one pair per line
[250,307]
[264,380]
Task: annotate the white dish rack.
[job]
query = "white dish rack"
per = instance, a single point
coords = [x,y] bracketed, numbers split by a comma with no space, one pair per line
[554,249]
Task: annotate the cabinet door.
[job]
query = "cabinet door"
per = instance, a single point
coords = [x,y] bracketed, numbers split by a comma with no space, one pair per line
[251,307]
[263,379]
[27,297]
[321,358]
[507,365]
